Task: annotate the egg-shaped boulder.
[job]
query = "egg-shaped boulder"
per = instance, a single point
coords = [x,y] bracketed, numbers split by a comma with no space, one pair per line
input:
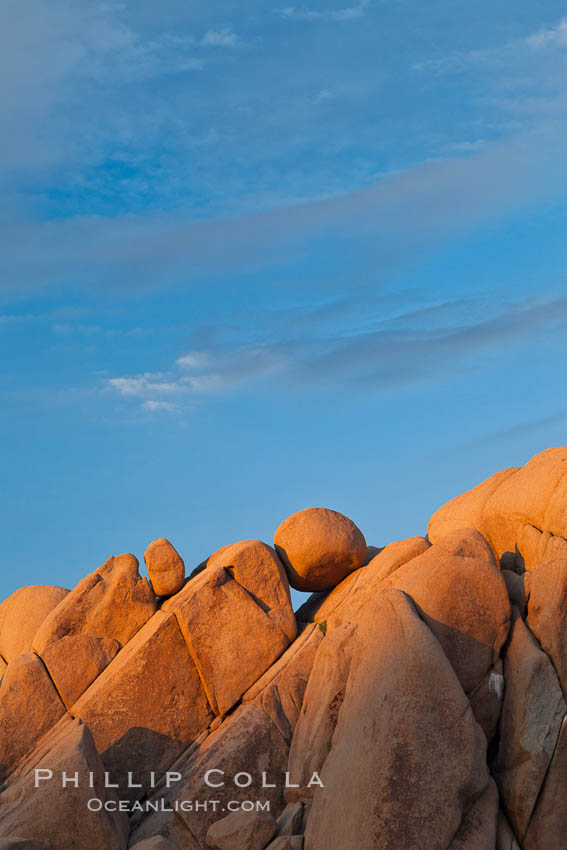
[166,568]
[319,548]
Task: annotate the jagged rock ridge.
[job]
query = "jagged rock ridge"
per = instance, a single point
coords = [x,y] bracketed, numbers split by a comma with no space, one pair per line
[416,701]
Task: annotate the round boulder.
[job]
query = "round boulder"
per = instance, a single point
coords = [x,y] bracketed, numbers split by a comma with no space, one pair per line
[319,548]
[165,567]
[21,615]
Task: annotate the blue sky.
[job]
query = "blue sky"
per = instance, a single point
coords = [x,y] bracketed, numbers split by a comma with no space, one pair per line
[256,257]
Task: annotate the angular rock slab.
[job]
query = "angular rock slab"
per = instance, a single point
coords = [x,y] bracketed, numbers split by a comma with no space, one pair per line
[529,727]
[112,602]
[545,560]
[147,706]
[62,818]
[258,569]
[290,820]
[242,831]
[383,784]
[280,691]
[29,706]
[487,700]
[21,615]
[286,842]
[321,706]
[75,661]
[230,635]
[246,741]
[548,825]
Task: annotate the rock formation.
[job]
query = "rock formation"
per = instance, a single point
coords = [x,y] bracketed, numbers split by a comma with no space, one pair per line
[319,548]
[166,567]
[416,701]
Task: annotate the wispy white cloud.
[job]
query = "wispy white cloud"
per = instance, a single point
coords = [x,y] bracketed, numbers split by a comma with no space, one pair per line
[55,315]
[549,36]
[464,147]
[142,386]
[294,13]
[160,406]
[16,319]
[73,76]
[415,347]
[224,37]
[200,373]
[507,55]
[67,328]
[335,93]
[412,208]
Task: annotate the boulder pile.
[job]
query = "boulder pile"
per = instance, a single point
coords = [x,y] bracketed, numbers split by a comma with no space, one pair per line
[416,701]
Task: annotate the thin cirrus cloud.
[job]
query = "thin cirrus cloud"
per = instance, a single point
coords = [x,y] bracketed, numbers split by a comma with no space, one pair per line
[293,13]
[64,68]
[403,211]
[154,406]
[224,37]
[393,355]
[211,371]
[414,208]
[550,36]
[139,386]
[503,56]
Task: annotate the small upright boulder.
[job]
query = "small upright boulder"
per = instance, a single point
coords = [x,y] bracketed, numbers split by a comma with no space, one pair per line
[319,548]
[166,568]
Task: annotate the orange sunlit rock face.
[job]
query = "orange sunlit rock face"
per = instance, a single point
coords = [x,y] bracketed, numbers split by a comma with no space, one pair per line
[417,699]
[113,602]
[22,613]
[319,548]
[166,568]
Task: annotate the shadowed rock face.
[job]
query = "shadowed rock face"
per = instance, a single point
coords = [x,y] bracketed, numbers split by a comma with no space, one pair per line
[62,817]
[416,702]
